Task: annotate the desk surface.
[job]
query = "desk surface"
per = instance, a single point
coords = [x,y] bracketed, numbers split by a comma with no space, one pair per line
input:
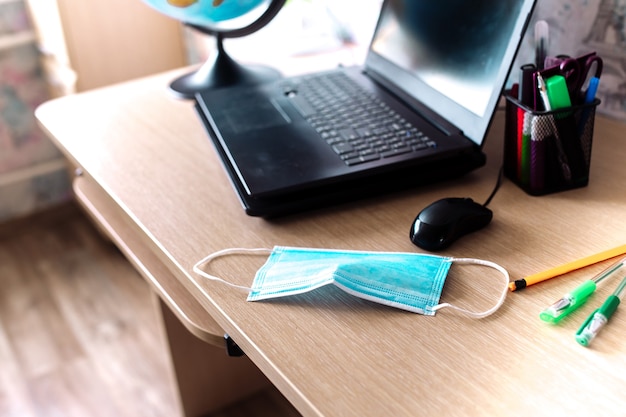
[330,353]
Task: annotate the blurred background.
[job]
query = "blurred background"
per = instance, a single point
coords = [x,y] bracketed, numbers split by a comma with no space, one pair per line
[51,48]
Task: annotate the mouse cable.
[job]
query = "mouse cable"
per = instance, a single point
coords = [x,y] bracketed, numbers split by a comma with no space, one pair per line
[496,188]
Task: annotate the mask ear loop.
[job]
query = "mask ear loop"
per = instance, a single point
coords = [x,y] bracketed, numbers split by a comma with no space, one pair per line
[480,315]
[225,252]
[244,251]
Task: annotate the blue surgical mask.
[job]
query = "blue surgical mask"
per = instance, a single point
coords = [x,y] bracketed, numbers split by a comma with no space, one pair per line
[409,281]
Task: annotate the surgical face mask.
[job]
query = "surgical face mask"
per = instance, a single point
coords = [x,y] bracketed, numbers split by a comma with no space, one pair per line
[409,281]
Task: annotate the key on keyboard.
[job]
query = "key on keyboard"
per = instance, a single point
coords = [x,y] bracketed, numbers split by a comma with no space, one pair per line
[359,127]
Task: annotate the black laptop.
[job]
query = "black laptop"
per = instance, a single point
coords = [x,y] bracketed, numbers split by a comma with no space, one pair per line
[417,111]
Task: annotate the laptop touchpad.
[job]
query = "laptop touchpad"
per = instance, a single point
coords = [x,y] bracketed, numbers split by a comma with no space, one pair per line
[255,116]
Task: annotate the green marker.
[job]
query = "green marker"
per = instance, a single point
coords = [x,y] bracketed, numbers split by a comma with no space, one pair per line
[558,95]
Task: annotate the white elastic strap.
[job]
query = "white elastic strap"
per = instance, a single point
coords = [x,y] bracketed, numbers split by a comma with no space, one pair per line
[225,252]
[480,315]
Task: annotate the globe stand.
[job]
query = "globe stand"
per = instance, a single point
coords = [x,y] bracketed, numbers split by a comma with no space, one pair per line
[221,71]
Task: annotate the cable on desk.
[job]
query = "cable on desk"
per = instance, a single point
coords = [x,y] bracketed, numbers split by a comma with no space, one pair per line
[496,188]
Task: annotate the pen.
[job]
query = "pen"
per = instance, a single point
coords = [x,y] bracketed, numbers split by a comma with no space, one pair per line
[599,318]
[565,268]
[538,141]
[525,151]
[541,43]
[527,85]
[559,97]
[576,298]
[570,152]
[590,94]
[543,92]
[521,116]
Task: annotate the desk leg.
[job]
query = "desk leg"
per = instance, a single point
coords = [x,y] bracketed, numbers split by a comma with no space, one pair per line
[207,378]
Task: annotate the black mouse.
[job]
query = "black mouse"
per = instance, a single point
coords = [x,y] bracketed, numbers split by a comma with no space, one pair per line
[440,224]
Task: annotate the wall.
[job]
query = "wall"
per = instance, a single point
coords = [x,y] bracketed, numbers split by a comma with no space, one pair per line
[313,27]
[576,27]
[82,45]
[32,174]
[581,26]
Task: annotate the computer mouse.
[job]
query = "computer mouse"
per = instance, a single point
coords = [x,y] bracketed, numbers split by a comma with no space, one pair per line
[440,224]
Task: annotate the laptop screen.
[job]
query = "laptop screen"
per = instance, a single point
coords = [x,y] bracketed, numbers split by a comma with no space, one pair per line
[451,55]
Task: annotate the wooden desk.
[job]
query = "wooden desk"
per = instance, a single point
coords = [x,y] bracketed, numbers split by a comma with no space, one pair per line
[153,179]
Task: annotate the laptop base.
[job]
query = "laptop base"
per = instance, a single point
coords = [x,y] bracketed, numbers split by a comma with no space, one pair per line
[347,191]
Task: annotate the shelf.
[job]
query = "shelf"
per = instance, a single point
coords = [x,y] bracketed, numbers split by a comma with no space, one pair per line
[16,39]
[119,228]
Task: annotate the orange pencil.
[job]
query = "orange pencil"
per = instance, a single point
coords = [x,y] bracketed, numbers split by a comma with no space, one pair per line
[565,268]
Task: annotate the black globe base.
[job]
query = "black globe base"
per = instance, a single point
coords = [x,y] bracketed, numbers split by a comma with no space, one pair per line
[221,71]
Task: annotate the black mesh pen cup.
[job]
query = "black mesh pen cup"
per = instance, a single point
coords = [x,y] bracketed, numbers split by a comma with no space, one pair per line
[548,151]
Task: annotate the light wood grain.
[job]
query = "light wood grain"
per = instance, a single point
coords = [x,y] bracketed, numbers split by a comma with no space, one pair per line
[120,230]
[151,156]
[79,335]
[77,330]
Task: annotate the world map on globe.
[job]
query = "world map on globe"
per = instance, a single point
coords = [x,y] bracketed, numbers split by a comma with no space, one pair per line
[210,13]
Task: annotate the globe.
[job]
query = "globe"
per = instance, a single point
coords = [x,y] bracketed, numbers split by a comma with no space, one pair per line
[222,14]
[222,19]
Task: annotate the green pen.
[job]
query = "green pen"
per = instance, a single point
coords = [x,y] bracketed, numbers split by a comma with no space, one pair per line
[577,297]
[599,318]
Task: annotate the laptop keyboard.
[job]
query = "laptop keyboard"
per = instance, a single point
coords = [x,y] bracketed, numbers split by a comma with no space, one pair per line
[358,126]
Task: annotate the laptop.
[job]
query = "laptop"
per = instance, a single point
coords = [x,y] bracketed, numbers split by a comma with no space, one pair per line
[415,113]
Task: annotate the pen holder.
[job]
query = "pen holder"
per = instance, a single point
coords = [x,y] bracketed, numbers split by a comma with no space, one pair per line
[548,151]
